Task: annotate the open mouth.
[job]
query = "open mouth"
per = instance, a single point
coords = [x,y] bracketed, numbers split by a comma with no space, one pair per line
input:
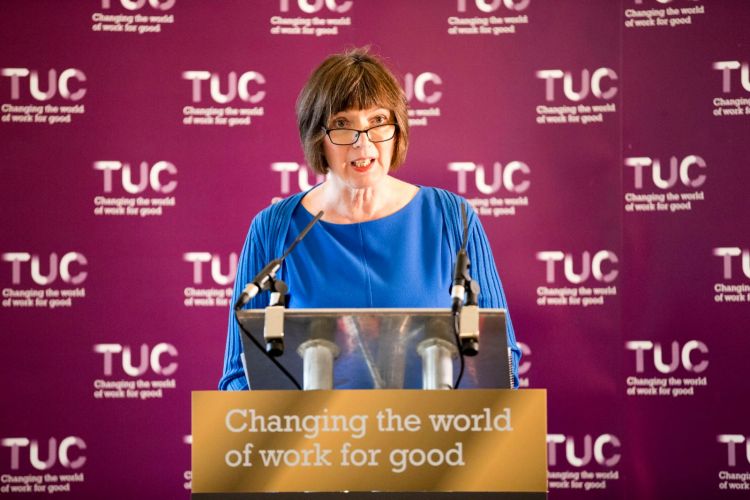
[362,165]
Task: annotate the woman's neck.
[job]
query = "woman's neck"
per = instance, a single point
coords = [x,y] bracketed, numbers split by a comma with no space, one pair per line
[344,204]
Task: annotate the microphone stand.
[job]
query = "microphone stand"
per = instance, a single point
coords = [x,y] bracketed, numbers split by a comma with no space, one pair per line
[465,306]
[265,280]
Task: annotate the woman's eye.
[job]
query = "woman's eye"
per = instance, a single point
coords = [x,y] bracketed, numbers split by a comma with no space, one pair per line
[380,119]
[339,123]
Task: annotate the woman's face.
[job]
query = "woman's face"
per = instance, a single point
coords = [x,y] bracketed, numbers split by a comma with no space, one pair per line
[364,163]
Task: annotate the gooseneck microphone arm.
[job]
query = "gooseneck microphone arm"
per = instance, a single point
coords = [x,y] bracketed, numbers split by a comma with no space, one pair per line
[266,280]
[461,275]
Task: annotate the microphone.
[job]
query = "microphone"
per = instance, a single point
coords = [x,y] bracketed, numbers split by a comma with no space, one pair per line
[461,272]
[464,293]
[265,278]
[259,283]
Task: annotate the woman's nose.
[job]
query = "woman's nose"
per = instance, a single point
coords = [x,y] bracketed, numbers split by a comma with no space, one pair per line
[362,140]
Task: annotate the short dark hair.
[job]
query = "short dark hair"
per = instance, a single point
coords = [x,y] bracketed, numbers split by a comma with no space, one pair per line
[354,79]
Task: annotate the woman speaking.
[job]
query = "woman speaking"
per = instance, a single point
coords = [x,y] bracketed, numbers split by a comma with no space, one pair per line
[383,242]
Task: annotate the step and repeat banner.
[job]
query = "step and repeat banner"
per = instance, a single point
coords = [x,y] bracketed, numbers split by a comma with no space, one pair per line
[603,144]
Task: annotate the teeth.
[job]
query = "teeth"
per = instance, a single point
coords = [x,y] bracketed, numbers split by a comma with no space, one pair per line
[361,163]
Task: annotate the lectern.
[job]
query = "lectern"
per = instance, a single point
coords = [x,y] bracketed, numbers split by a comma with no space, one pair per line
[340,439]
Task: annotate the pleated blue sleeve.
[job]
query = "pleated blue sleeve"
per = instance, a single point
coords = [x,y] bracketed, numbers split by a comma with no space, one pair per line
[252,257]
[264,242]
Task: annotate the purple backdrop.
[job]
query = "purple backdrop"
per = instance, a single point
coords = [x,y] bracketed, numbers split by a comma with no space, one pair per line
[600,142]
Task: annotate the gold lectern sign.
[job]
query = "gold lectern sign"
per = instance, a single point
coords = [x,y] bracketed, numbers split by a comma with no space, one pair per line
[489,440]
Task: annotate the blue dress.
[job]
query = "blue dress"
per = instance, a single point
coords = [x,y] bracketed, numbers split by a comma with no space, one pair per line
[401,260]
[405,259]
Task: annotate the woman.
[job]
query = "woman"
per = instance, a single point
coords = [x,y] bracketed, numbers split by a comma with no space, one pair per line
[382,242]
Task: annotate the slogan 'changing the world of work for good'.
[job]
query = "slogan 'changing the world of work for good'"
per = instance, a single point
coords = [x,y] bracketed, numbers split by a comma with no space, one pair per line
[356,427]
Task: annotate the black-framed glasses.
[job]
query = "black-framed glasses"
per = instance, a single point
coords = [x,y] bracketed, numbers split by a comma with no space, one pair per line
[349,136]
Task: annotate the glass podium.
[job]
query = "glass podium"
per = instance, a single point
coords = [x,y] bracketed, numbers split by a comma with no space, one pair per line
[372,349]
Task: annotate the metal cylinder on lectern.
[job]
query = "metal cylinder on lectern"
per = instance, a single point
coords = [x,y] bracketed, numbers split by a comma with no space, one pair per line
[437,363]
[317,363]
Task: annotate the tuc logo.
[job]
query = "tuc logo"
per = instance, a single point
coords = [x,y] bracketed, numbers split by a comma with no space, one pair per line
[242,86]
[728,254]
[513,177]
[56,267]
[139,4]
[602,449]
[731,440]
[148,175]
[489,6]
[68,452]
[678,170]
[148,358]
[315,6]
[590,82]
[603,265]
[421,87]
[220,278]
[726,68]
[62,85]
[679,357]
[289,170]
